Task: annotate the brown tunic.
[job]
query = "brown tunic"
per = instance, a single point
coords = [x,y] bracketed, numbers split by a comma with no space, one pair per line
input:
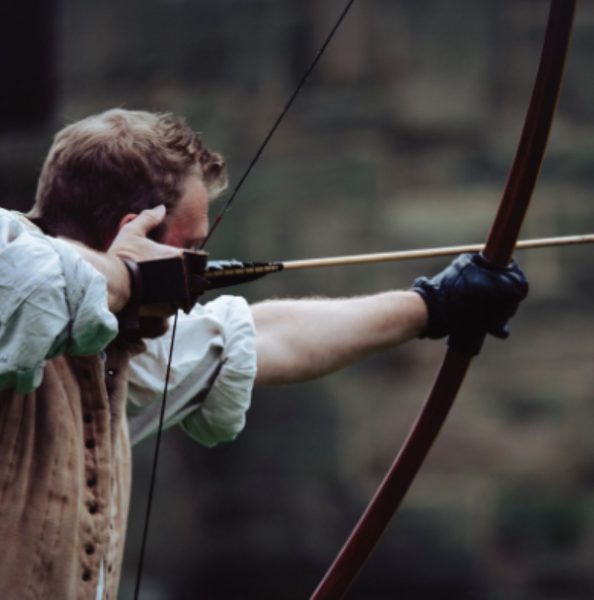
[65,473]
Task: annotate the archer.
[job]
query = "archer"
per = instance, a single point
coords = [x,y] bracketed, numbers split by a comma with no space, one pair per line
[65,444]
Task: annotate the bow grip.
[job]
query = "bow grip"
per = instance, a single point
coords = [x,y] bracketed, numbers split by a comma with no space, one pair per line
[178,280]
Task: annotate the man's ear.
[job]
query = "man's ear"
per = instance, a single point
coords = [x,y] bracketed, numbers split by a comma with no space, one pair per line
[125,220]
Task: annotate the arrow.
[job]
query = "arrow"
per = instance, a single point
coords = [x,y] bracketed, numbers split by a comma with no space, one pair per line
[228,273]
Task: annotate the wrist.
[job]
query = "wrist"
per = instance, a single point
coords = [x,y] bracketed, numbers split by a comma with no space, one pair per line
[420,321]
[435,324]
[130,310]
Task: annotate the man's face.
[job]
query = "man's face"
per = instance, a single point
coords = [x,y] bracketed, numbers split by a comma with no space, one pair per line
[186,227]
[188,224]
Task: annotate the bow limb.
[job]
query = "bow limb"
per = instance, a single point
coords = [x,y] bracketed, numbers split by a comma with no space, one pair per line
[498,250]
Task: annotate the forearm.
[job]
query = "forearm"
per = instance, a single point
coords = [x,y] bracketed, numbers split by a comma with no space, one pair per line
[298,340]
[114,271]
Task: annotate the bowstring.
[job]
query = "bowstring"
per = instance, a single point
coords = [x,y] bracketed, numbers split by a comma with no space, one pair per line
[149,503]
[226,208]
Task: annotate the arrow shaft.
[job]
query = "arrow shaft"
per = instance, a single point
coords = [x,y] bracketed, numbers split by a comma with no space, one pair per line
[401,255]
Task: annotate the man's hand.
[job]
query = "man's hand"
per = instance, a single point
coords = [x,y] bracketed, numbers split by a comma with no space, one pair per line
[132,242]
[132,246]
[162,278]
[469,299]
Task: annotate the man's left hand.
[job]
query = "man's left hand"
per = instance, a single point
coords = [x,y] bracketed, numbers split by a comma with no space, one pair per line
[471,298]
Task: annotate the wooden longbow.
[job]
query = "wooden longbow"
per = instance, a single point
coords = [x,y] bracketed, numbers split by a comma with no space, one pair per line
[498,250]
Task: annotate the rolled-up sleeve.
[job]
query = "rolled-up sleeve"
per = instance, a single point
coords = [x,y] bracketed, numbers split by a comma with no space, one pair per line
[51,302]
[211,379]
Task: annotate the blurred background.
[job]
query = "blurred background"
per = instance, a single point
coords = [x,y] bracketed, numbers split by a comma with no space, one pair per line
[401,139]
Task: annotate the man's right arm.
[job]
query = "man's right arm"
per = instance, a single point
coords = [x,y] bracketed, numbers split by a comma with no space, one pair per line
[131,242]
[114,271]
[56,296]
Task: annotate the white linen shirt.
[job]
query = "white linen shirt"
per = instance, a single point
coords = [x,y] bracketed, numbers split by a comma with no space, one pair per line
[51,302]
[54,302]
[212,374]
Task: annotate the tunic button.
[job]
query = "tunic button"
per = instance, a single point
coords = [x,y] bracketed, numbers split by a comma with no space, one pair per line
[111,372]
[86,576]
[92,481]
[87,417]
[93,508]
[90,443]
[89,549]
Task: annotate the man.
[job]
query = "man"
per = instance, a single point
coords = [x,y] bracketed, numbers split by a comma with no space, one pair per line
[67,442]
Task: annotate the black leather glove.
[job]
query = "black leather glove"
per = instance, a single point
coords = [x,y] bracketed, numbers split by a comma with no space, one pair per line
[469,299]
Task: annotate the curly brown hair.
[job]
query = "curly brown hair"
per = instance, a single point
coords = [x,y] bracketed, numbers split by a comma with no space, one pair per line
[118,162]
